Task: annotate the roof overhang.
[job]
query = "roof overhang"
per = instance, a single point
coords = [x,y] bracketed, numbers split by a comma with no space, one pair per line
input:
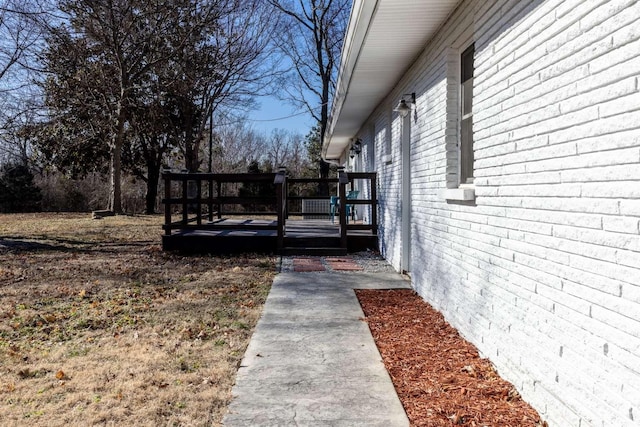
[383,39]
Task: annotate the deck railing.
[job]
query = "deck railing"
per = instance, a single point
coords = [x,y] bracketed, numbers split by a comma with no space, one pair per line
[202,200]
[348,178]
[280,182]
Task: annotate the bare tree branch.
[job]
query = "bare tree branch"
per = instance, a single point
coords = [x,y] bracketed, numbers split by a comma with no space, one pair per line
[311,38]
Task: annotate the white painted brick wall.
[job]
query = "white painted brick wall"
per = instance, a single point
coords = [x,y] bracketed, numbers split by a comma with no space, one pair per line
[542,274]
[389,186]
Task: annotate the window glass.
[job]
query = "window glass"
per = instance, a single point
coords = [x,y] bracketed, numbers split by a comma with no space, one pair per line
[466,110]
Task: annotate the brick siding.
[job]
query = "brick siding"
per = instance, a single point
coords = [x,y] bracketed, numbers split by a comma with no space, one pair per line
[542,273]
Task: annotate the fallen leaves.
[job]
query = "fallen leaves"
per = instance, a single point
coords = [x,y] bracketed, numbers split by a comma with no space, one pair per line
[440,378]
[27,373]
[104,324]
[160,384]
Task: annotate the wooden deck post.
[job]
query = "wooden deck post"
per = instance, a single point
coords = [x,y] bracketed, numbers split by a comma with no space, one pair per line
[374,204]
[280,182]
[166,175]
[199,201]
[210,200]
[343,180]
[219,195]
[185,194]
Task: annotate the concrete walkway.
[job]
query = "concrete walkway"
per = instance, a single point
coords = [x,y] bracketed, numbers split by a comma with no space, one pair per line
[312,360]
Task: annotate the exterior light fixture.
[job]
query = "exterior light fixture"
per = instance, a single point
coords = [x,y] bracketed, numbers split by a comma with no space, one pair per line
[356,148]
[403,108]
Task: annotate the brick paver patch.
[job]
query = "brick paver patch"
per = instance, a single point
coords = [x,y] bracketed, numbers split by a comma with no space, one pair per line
[309,264]
[305,265]
[343,264]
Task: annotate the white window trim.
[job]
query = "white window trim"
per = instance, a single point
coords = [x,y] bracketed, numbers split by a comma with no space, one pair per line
[464,193]
[387,158]
[371,149]
[455,190]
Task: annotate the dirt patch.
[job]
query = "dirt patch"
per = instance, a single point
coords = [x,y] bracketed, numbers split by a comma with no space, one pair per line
[99,326]
[440,378]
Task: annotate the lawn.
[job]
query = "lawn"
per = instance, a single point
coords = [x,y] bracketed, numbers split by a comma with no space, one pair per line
[99,326]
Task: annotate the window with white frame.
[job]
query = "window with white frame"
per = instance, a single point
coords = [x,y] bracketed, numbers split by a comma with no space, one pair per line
[465,136]
[382,139]
[459,145]
[371,149]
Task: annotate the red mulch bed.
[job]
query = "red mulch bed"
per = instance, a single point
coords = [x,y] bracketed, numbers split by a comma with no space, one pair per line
[440,378]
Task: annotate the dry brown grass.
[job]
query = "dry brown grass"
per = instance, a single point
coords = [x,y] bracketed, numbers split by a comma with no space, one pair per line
[99,327]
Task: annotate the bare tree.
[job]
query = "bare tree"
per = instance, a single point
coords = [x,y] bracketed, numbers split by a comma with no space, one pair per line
[228,63]
[236,147]
[21,37]
[311,39]
[197,53]
[109,60]
[285,148]
[298,156]
[278,148]
[20,31]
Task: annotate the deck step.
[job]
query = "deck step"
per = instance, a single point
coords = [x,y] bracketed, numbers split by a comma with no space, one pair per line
[314,251]
[312,242]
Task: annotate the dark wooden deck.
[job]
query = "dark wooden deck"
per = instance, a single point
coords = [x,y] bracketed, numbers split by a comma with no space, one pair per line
[302,237]
[205,223]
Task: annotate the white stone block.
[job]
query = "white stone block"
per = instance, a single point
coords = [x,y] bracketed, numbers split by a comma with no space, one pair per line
[621,224]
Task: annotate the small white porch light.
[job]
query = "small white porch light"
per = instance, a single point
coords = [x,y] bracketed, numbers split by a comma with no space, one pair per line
[403,108]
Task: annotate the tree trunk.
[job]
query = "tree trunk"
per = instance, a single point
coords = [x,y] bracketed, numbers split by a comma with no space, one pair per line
[153,177]
[323,187]
[192,141]
[115,190]
[115,184]
[191,158]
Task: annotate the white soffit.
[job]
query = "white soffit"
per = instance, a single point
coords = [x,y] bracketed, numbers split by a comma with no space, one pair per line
[383,39]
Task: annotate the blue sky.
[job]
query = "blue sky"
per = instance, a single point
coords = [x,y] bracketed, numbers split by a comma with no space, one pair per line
[276,114]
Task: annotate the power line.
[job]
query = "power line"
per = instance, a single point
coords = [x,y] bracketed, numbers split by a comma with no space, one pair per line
[280,118]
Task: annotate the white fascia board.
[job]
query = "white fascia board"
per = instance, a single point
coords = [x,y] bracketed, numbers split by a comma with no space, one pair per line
[362,12]
[374,57]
